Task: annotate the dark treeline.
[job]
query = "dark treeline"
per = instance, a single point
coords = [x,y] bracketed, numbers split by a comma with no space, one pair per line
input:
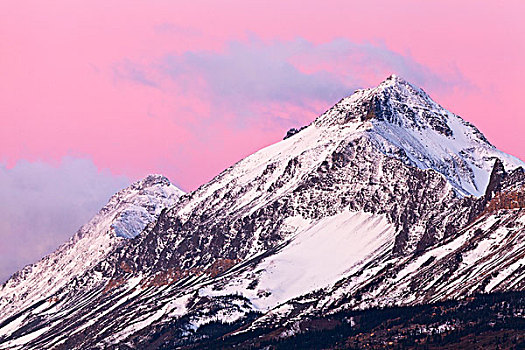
[487,321]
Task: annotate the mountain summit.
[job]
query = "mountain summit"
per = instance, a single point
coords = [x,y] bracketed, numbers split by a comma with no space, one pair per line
[124,216]
[386,199]
[404,122]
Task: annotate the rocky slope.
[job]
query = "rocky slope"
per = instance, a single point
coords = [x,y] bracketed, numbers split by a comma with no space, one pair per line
[385,199]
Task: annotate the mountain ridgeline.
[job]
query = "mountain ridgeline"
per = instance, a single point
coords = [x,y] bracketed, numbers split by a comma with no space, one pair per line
[385,201]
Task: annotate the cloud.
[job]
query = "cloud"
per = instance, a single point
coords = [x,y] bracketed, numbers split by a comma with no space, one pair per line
[254,79]
[43,205]
[128,70]
[361,63]
[254,71]
[245,96]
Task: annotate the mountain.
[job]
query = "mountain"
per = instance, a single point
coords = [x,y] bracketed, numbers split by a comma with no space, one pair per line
[125,215]
[409,125]
[387,199]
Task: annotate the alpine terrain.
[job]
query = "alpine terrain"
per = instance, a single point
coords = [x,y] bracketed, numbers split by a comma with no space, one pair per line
[388,221]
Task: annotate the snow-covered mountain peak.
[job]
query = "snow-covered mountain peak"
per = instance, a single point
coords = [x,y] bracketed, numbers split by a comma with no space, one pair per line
[132,208]
[125,216]
[406,123]
[399,82]
[151,180]
[394,101]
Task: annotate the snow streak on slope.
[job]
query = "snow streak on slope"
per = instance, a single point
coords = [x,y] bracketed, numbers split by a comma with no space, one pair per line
[317,256]
[489,256]
[126,215]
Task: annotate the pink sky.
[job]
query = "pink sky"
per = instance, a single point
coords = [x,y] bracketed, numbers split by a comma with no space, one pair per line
[94,94]
[186,88]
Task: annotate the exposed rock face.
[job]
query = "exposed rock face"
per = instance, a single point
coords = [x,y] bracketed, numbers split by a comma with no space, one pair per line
[496,177]
[292,132]
[382,200]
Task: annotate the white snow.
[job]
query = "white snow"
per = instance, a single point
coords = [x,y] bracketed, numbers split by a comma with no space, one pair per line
[19,342]
[318,255]
[322,254]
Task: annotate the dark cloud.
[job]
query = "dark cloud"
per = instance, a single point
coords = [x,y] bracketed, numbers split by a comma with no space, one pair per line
[43,205]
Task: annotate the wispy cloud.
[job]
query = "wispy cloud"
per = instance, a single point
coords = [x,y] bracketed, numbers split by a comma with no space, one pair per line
[246,95]
[359,63]
[130,71]
[250,79]
[253,71]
